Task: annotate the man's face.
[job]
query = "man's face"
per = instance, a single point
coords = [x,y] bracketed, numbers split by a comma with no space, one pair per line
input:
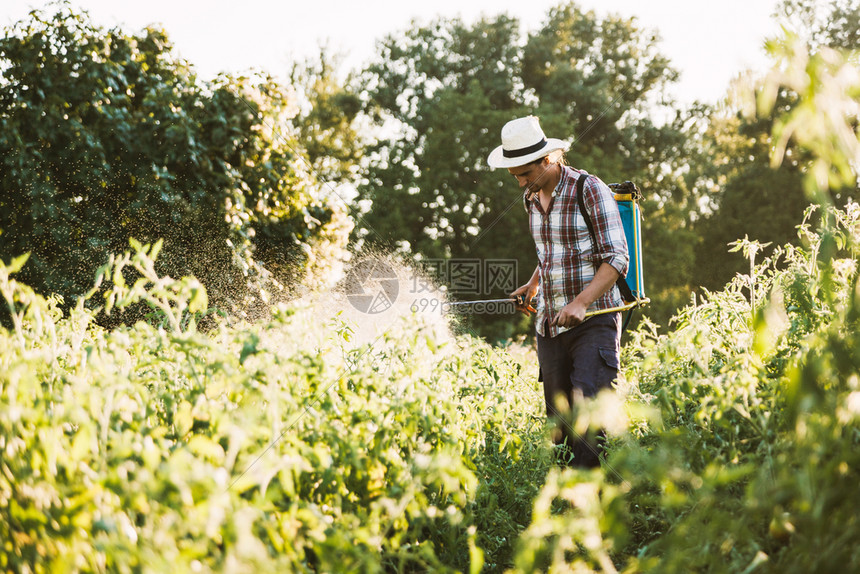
[532,175]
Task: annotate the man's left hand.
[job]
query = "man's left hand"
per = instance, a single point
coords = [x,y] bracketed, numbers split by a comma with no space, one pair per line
[570,315]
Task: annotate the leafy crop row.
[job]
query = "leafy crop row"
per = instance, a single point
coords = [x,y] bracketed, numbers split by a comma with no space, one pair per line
[302,444]
[743,450]
[267,447]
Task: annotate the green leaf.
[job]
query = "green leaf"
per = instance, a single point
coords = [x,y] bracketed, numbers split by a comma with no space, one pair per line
[249,348]
[17,263]
[156,249]
[199,300]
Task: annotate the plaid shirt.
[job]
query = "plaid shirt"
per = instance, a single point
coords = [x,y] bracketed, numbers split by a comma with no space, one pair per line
[566,256]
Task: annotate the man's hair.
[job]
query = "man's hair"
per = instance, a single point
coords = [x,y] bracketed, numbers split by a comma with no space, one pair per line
[560,159]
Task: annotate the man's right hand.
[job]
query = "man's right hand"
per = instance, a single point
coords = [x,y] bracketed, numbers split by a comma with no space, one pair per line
[523,297]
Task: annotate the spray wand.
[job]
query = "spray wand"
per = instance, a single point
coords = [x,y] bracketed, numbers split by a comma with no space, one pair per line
[521,299]
[518,300]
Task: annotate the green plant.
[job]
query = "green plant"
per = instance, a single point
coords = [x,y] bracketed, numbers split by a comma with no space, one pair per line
[266,446]
[752,458]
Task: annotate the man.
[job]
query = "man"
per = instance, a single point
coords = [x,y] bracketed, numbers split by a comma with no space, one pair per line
[576,273]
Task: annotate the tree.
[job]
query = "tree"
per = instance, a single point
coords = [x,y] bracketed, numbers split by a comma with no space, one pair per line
[327,119]
[753,199]
[834,23]
[106,136]
[442,88]
[447,89]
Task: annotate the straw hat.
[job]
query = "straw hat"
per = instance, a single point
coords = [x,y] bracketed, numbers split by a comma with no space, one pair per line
[523,141]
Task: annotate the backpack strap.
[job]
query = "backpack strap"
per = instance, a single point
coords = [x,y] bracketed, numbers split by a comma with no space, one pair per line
[623,287]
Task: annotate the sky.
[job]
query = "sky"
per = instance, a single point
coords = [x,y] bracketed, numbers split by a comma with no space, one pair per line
[708,42]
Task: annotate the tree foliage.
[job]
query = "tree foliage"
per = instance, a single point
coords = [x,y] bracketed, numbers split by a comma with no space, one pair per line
[834,23]
[326,125]
[447,89]
[749,198]
[106,136]
[439,89]
[758,174]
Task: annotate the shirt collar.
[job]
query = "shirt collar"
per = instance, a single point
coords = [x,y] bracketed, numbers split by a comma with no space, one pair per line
[563,185]
[562,181]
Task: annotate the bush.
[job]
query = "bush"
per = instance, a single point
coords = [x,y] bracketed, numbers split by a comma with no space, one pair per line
[106,136]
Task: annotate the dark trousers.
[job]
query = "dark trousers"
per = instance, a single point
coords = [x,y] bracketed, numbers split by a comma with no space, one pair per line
[577,364]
